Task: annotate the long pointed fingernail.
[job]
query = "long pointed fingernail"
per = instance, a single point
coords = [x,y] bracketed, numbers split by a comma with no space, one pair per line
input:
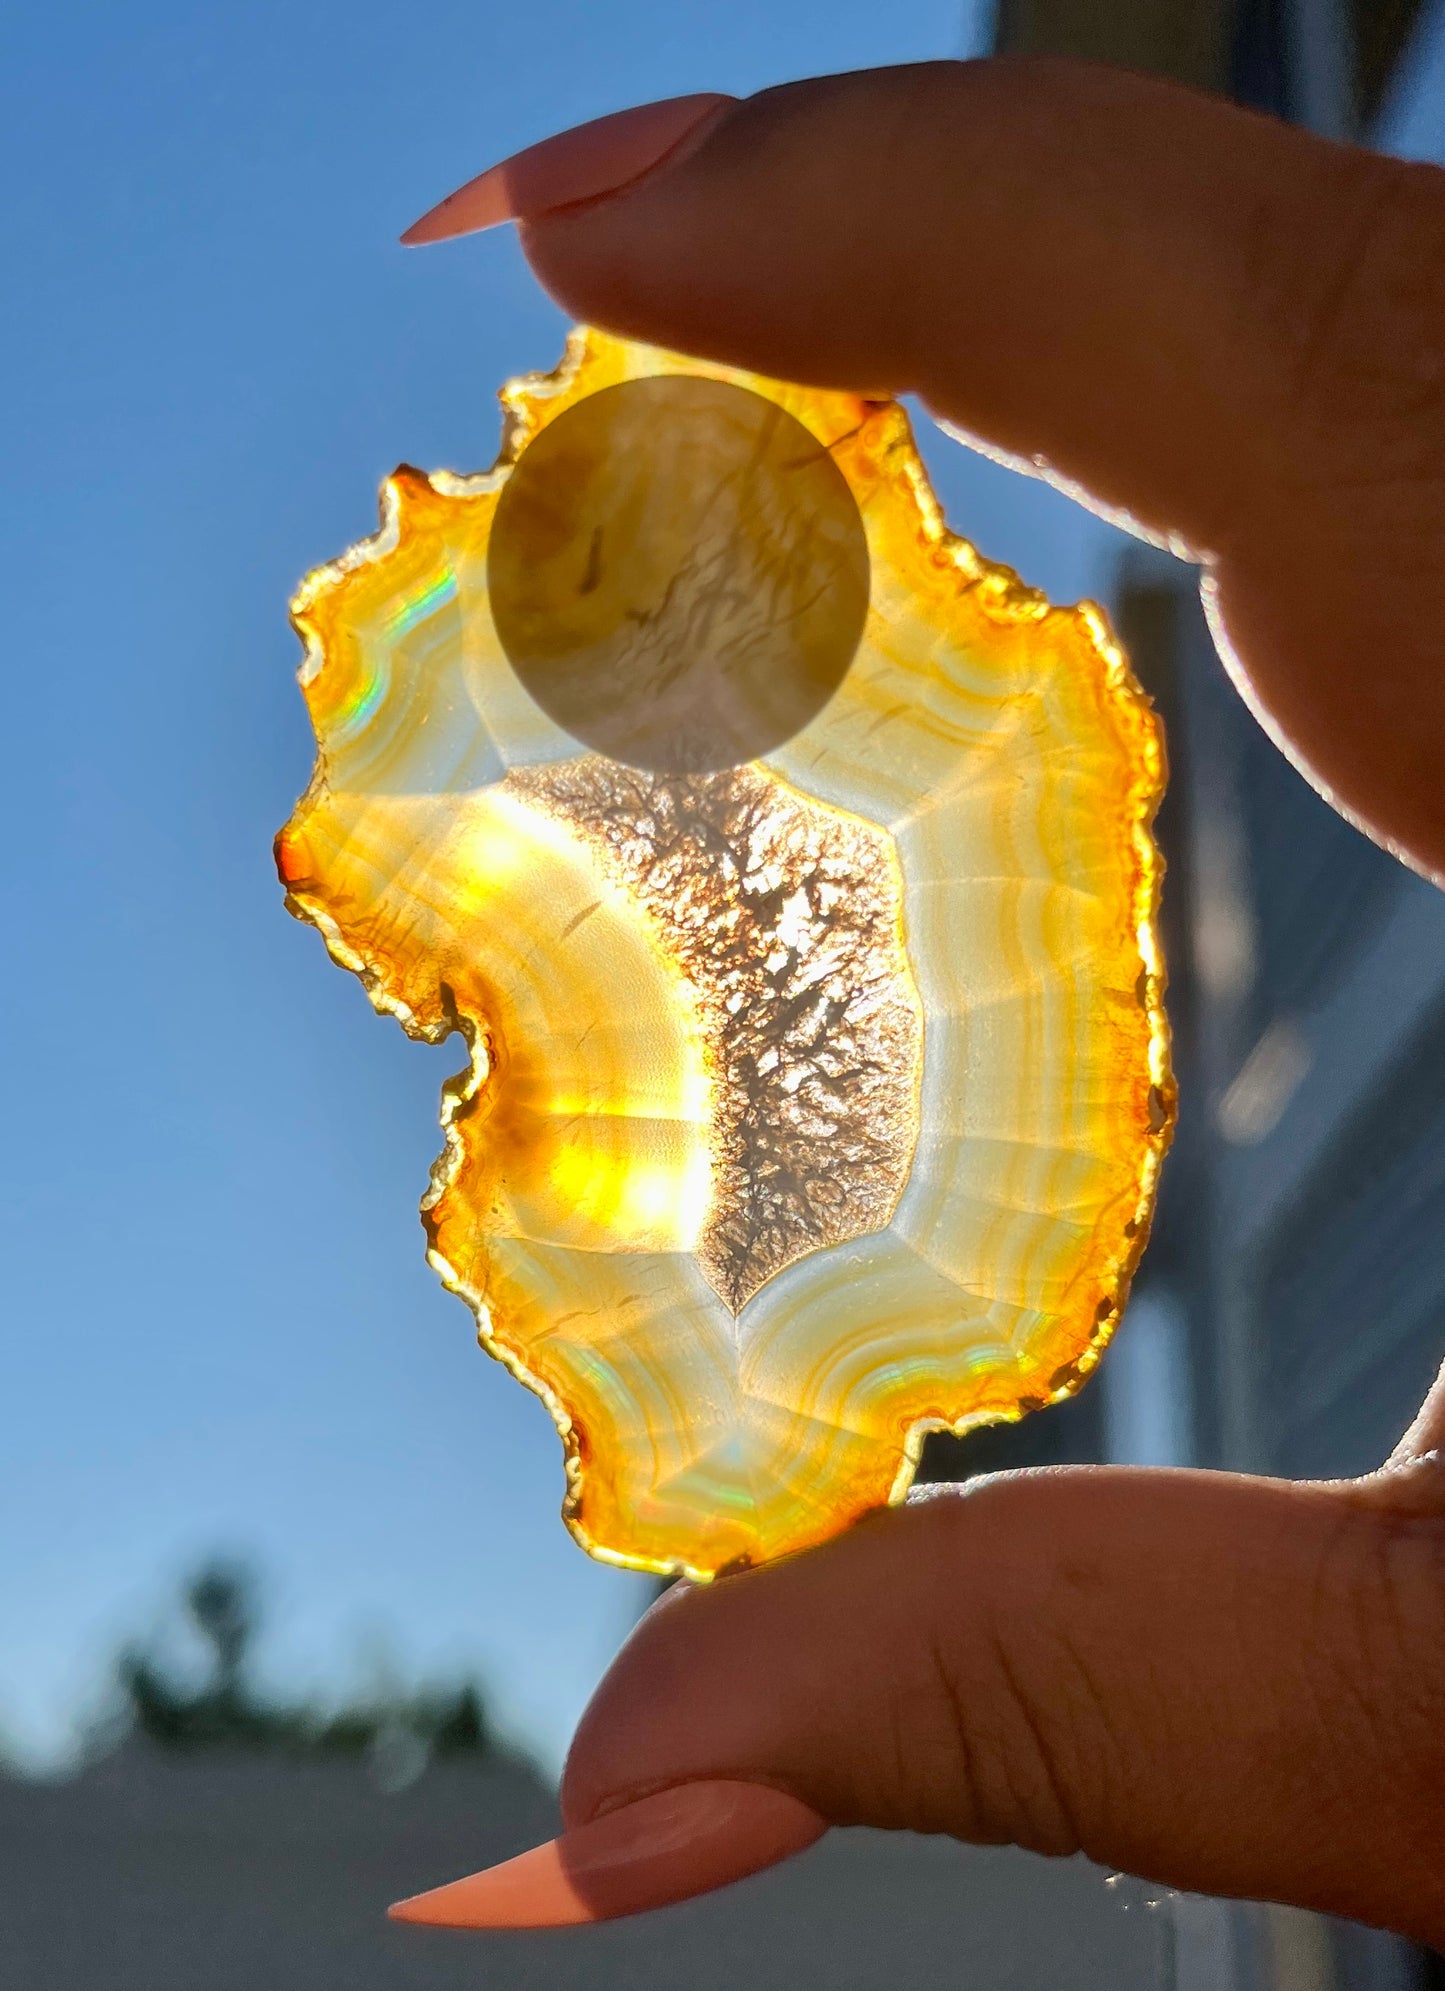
[582,164]
[663,1848]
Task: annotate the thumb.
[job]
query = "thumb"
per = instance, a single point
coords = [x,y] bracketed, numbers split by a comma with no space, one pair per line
[1231,1686]
[1221,328]
[1226,1685]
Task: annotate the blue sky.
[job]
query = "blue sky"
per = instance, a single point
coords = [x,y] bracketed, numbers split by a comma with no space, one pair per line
[219,1329]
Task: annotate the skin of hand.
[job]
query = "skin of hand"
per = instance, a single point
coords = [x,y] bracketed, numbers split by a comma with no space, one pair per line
[1231,336]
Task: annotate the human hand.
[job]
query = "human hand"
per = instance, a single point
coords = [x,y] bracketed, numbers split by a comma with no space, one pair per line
[1232,336]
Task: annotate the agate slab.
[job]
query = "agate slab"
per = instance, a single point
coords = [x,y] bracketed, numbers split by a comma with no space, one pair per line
[787,870]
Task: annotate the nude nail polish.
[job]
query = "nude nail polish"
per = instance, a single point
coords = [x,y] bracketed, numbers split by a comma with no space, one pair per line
[663,1848]
[582,164]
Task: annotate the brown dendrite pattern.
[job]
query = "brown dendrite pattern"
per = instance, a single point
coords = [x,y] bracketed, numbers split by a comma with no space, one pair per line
[785,917]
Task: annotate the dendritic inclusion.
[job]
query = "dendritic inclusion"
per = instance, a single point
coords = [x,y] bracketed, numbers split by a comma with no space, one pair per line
[813,1102]
[784,919]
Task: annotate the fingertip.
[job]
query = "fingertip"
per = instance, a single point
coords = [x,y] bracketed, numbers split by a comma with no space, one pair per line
[659,1849]
[585,163]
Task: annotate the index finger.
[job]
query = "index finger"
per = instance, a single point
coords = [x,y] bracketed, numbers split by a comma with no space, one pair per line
[1210,324]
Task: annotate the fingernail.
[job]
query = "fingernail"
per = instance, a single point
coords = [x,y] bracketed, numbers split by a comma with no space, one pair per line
[581,164]
[663,1848]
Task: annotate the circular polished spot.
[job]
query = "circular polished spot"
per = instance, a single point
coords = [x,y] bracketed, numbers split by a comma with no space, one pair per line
[678,573]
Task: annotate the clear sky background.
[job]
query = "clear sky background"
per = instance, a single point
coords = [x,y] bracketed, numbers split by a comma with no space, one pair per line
[217,1327]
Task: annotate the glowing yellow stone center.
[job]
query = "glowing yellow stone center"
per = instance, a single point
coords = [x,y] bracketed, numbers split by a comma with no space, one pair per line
[785,917]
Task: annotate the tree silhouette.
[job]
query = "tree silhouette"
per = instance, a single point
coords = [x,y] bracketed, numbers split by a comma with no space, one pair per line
[221,1603]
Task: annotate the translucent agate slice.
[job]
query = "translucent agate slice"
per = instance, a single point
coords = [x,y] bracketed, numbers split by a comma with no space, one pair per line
[787,870]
